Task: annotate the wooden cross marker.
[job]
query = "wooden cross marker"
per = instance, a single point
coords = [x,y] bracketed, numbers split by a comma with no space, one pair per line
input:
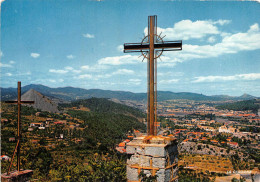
[18,145]
[152,44]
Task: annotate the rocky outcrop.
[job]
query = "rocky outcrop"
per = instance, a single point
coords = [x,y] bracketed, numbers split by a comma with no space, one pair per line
[40,101]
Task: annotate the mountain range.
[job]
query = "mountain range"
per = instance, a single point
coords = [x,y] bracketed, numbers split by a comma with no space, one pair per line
[72,93]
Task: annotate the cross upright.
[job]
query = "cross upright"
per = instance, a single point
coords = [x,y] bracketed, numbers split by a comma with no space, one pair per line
[149,49]
[18,145]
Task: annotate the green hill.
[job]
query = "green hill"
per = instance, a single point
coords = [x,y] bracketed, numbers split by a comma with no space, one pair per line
[103,105]
[253,105]
[86,152]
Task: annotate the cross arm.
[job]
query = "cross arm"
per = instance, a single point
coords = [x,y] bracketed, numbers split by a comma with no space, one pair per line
[169,45]
[135,47]
[22,102]
[27,102]
[165,46]
[11,102]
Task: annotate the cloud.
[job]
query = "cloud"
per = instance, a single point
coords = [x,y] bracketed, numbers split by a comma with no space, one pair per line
[119,60]
[239,77]
[84,76]
[134,81]
[11,62]
[120,48]
[94,68]
[69,68]
[231,44]
[9,74]
[58,71]
[1,54]
[170,74]
[169,81]
[35,55]
[211,39]
[222,22]
[89,36]
[65,70]
[2,65]
[187,29]
[123,72]
[70,56]
[56,81]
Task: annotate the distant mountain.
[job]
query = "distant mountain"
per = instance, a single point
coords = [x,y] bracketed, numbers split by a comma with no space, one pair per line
[40,101]
[71,93]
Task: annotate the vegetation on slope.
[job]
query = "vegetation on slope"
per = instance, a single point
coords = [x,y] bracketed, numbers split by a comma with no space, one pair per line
[253,105]
[86,152]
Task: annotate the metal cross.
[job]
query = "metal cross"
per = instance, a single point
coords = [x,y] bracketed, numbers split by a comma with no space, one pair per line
[154,43]
[18,145]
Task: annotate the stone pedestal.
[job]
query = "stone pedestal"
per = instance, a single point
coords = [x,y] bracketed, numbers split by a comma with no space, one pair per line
[155,155]
[15,176]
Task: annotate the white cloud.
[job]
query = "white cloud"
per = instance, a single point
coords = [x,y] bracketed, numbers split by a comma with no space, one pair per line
[119,60]
[134,80]
[120,48]
[170,74]
[169,81]
[211,39]
[65,70]
[255,0]
[85,67]
[187,29]
[90,36]
[58,71]
[249,76]
[123,72]
[1,54]
[2,65]
[70,56]
[94,68]
[84,76]
[56,81]
[11,62]
[69,68]
[9,74]
[35,55]
[222,22]
[233,43]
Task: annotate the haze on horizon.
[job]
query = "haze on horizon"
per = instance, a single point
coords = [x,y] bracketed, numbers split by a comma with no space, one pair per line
[79,44]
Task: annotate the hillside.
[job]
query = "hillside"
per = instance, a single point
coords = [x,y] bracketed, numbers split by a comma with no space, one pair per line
[87,149]
[103,105]
[106,120]
[71,93]
[253,105]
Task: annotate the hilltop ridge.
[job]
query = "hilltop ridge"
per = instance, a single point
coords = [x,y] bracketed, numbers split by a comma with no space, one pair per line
[72,93]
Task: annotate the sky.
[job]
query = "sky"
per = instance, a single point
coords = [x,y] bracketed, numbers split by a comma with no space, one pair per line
[61,43]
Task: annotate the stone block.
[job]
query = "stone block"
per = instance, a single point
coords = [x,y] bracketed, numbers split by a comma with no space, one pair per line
[134,160]
[158,151]
[132,174]
[130,149]
[159,162]
[140,150]
[155,151]
[145,161]
[161,175]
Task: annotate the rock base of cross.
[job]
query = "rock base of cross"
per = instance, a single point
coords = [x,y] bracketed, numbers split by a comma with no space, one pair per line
[152,156]
[15,176]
